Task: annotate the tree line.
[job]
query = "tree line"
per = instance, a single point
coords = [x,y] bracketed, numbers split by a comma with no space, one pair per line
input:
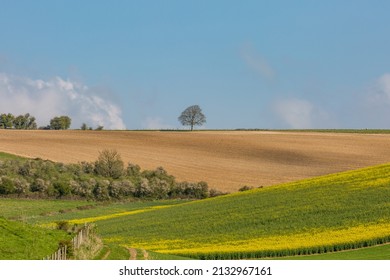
[191,116]
[27,121]
[105,179]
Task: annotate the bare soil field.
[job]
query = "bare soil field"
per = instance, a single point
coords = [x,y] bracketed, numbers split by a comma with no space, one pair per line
[227,160]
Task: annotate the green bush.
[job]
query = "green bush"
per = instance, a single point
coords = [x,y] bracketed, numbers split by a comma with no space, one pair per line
[62,188]
[6,185]
[21,186]
[38,185]
[133,170]
[84,188]
[245,188]
[87,167]
[115,189]
[127,188]
[159,188]
[101,190]
[63,225]
[143,189]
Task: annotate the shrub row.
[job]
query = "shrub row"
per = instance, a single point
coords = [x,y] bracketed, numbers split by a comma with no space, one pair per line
[46,179]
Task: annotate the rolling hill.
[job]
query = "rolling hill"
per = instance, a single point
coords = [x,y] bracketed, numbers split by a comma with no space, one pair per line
[330,213]
[227,160]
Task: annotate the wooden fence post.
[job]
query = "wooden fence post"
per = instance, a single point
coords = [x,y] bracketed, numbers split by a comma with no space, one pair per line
[76,241]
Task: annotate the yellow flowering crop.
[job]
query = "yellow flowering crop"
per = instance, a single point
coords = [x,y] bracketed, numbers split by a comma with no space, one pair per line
[107,217]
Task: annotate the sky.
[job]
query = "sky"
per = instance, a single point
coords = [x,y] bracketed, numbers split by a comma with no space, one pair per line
[247,64]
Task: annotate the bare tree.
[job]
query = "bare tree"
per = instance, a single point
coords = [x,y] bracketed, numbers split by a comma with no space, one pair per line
[109,164]
[192,116]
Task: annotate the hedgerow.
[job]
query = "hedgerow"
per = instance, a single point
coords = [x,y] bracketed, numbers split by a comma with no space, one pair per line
[100,180]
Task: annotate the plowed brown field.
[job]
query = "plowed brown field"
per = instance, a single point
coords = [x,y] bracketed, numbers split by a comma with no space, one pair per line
[227,160]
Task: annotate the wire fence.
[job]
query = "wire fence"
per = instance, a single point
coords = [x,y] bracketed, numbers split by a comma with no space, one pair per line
[63,252]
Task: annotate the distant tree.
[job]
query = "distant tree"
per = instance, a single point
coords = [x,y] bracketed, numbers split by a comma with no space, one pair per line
[192,116]
[55,123]
[6,121]
[62,122]
[19,122]
[25,122]
[84,126]
[31,122]
[109,164]
[47,127]
[99,127]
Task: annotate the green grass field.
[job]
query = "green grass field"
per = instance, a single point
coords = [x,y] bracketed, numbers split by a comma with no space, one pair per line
[20,241]
[97,210]
[29,209]
[50,211]
[314,217]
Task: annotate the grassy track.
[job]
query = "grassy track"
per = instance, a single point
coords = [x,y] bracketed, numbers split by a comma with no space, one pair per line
[117,253]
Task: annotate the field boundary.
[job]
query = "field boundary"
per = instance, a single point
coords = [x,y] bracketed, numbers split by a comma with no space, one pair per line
[63,252]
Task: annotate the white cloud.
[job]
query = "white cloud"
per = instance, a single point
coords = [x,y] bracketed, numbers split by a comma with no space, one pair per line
[257,63]
[384,83]
[46,99]
[380,92]
[372,109]
[155,123]
[296,113]
[361,109]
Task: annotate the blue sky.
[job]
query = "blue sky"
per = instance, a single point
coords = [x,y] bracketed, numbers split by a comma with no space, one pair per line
[247,64]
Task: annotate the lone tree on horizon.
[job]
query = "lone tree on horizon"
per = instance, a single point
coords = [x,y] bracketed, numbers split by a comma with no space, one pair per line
[192,116]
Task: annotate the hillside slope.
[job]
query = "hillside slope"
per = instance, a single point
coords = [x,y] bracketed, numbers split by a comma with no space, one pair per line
[19,241]
[227,160]
[329,213]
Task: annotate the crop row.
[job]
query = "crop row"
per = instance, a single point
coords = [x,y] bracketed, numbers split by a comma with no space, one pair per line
[299,244]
